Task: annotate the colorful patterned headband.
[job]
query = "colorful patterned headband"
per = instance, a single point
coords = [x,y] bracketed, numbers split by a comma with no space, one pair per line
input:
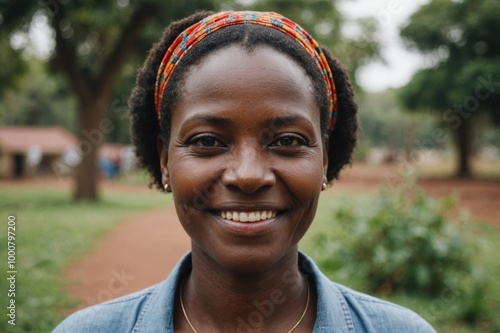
[192,35]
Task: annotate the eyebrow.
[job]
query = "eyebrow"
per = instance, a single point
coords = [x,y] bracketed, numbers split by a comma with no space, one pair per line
[275,122]
[211,119]
[285,120]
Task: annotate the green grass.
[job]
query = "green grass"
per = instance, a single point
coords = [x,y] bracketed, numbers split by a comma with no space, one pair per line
[138,177]
[51,231]
[437,311]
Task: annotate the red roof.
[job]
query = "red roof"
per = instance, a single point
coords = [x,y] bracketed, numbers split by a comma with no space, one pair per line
[51,140]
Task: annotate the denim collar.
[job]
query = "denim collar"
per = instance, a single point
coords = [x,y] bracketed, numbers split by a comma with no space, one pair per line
[332,314]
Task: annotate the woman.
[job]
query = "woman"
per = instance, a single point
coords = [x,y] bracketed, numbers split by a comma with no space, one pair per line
[245,119]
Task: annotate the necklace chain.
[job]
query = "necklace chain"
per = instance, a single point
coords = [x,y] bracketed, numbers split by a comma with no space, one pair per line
[294,327]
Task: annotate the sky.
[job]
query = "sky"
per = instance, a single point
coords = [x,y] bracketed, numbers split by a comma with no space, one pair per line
[401,64]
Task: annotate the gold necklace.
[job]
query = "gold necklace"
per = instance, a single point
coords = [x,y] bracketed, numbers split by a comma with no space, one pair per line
[294,326]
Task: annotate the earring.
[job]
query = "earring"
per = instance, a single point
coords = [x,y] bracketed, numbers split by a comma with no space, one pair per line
[323,187]
[167,187]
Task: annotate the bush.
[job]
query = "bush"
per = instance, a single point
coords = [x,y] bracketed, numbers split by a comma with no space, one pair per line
[405,241]
[418,251]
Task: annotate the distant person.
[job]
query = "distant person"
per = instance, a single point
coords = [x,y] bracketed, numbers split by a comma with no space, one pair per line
[248,121]
[108,167]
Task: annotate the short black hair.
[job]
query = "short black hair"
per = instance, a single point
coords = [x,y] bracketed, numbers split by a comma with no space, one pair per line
[144,127]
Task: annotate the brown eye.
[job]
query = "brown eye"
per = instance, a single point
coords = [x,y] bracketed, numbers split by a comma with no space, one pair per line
[206,141]
[289,141]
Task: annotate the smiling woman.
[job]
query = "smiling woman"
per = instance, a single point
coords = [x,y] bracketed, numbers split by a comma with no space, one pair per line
[248,122]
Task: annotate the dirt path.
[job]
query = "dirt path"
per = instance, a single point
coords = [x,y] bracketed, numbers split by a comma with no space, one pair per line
[138,253]
[143,250]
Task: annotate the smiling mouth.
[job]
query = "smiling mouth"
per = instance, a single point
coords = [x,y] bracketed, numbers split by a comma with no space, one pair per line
[255,216]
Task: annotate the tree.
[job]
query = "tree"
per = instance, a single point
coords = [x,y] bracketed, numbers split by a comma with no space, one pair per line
[93,41]
[463,85]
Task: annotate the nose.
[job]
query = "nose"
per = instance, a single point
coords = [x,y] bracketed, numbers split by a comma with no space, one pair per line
[249,170]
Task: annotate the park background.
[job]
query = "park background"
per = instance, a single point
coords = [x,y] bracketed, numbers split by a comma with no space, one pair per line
[427,76]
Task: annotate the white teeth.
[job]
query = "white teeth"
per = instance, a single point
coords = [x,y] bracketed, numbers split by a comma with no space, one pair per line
[243,217]
[252,217]
[248,216]
[236,216]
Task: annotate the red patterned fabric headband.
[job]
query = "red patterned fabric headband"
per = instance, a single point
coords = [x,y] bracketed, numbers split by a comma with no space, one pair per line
[192,35]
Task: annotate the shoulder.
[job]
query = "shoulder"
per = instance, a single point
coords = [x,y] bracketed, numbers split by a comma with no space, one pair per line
[148,310]
[341,309]
[372,314]
[119,315]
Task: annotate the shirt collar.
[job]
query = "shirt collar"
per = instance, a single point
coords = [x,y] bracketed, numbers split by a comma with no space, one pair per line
[332,310]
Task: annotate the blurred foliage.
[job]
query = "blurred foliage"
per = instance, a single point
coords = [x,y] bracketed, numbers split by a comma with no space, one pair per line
[404,242]
[385,124]
[40,98]
[408,242]
[91,34]
[12,64]
[460,41]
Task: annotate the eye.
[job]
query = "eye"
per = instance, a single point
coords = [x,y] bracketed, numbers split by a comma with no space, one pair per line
[205,141]
[289,141]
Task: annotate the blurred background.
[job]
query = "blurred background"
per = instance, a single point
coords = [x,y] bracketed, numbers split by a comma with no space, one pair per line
[427,77]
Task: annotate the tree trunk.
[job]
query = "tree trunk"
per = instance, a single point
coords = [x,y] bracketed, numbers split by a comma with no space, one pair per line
[463,143]
[93,93]
[91,135]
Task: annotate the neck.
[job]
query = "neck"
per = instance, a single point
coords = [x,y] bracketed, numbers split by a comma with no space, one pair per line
[220,300]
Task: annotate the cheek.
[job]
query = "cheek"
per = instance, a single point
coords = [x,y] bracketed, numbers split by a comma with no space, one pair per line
[193,183]
[303,181]
[303,178]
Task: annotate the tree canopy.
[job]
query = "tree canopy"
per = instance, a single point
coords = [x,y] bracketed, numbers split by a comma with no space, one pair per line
[460,39]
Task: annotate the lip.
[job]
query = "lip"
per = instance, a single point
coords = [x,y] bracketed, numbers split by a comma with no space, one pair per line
[247,228]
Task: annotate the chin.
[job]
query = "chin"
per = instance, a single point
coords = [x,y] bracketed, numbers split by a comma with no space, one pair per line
[250,259]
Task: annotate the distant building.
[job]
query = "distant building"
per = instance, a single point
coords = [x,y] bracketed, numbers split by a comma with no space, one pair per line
[32,150]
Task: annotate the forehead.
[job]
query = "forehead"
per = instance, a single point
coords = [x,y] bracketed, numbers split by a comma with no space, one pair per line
[260,78]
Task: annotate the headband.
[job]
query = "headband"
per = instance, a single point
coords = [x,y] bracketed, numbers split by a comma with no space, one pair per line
[195,33]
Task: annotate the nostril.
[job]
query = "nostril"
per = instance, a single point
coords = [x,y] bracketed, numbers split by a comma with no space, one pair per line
[248,181]
[249,186]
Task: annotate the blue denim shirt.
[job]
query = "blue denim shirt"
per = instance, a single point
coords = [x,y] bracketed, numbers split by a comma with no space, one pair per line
[339,309]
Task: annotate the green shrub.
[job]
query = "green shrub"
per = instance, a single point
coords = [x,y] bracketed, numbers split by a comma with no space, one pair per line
[405,241]
[416,251]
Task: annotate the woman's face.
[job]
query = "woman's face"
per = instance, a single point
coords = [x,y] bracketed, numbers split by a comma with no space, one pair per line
[246,160]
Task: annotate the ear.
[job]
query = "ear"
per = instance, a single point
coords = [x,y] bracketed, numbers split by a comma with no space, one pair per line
[326,140]
[163,154]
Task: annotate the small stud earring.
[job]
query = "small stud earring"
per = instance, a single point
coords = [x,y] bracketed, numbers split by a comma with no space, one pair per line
[323,187]
[167,187]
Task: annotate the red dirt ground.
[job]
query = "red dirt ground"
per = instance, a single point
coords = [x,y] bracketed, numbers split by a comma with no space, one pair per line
[143,250]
